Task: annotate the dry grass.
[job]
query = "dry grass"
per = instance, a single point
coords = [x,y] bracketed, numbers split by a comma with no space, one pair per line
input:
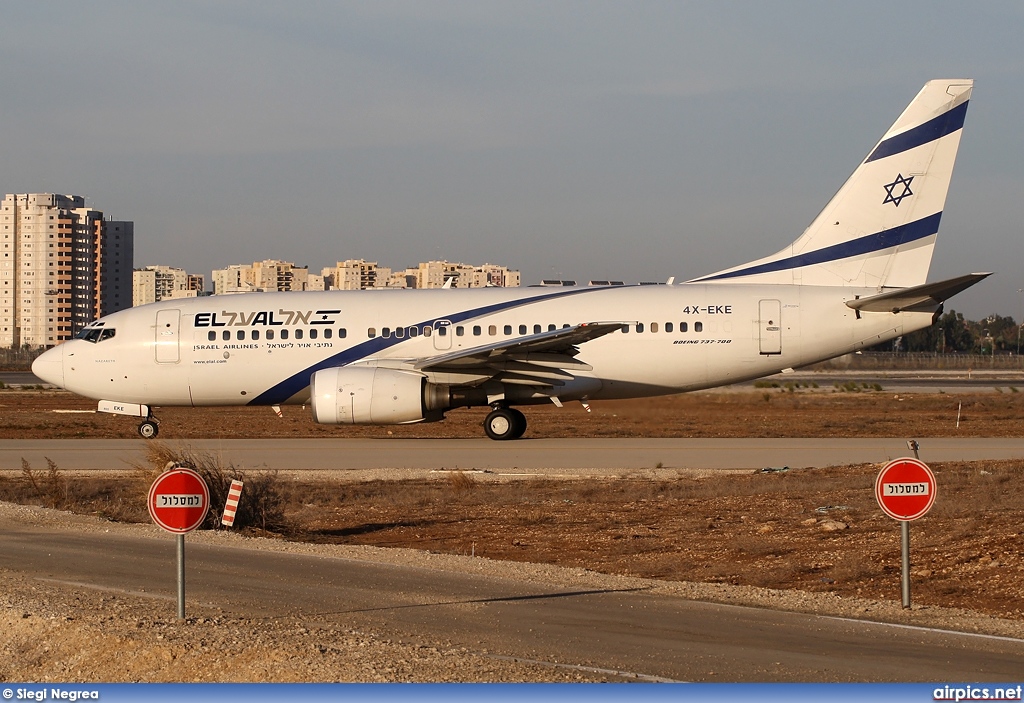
[261,504]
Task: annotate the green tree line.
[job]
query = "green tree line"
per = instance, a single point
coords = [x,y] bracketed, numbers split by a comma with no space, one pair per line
[953,334]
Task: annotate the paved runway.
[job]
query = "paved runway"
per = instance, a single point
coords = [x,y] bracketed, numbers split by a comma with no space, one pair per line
[536,455]
[621,629]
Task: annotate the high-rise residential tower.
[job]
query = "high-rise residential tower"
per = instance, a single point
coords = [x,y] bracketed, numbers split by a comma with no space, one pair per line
[62,266]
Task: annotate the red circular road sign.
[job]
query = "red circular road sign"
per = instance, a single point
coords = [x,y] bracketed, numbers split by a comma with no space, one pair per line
[178,500]
[905,489]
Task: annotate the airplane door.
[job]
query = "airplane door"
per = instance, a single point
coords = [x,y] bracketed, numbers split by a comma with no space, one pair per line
[167,323]
[442,334]
[770,326]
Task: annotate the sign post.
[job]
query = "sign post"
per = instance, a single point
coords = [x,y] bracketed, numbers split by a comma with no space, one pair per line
[178,502]
[905,490]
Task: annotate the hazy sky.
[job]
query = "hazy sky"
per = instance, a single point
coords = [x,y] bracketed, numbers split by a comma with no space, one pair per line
[631,140]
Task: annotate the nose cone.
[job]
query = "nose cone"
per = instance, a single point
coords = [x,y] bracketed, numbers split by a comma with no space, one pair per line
[49,366]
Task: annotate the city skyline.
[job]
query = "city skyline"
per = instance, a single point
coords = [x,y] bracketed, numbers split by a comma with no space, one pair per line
[574,140]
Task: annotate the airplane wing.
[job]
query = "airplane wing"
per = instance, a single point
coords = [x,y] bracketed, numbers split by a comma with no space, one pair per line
[925,296]
[543,359]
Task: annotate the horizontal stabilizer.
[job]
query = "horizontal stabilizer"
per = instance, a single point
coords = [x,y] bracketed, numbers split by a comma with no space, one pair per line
[923,297]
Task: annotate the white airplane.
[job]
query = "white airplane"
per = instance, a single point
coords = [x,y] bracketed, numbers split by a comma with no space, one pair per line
[854,278]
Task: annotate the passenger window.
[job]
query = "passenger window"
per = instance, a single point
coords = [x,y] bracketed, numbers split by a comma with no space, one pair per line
[211,335]
[508,329]
[298,334]
[682,327]
[522,329]
[668,326]
[698,326]
[385,332]
[566,326]
[240,335]
[255,335]
[460,330]
[400,332]
[625,329]
[492,330]
[654,327]
[328,333]
[414,331]
[270,334]
[371,333]
[225,335]
[342,333]
[476,330]
[552,328]
[536,329]
[284,334]
[313,333]
[426,330]
[639,327]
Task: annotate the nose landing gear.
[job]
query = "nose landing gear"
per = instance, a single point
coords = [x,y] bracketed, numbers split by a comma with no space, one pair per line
[149,428]
[505,423]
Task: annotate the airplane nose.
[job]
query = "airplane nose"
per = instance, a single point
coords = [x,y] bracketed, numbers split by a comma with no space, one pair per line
[49,366]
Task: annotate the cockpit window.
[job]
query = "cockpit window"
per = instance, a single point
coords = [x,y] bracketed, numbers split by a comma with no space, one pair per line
[96,334]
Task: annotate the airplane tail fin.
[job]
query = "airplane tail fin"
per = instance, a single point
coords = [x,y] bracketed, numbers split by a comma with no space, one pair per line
[880,228]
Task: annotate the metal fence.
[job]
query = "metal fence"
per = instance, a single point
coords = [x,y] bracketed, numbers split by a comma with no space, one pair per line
[923,361]
[19,359]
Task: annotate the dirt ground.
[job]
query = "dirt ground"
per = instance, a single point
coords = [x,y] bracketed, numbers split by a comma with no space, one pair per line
[811,530]
[767,412]
[811,539]
[816,530]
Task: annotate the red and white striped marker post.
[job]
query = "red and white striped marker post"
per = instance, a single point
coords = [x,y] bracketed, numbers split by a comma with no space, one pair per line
[231,506]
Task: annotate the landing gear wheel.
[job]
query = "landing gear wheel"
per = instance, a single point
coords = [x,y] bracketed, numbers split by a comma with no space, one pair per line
[519,423]
[149,429]
[502,423]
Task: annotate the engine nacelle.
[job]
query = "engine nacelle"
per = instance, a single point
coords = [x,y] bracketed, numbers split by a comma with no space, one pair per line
[364,395]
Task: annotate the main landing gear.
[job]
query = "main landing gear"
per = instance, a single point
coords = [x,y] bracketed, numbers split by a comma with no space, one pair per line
[505,423]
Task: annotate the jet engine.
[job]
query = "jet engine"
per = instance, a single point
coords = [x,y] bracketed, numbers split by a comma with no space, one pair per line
[364,395]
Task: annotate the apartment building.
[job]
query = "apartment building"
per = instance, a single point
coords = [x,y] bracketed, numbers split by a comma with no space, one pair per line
[63,266]
[262,276]
[357,274]
[154,283]
[436,274]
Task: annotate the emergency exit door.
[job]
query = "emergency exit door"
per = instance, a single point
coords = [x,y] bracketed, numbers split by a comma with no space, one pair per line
[442,335]
[770,326]
[167,322]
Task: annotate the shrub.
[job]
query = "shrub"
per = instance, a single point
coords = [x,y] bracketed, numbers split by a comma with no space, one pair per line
[261,504]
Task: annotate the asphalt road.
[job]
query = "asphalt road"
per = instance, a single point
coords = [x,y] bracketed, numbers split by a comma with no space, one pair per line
[621,630]
[527,455]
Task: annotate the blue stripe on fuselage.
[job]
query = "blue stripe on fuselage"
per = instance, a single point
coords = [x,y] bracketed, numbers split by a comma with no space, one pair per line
[935,128]
[910,232]
[287,388]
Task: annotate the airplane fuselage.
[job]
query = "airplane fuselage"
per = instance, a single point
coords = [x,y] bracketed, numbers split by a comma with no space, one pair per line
[262,349]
